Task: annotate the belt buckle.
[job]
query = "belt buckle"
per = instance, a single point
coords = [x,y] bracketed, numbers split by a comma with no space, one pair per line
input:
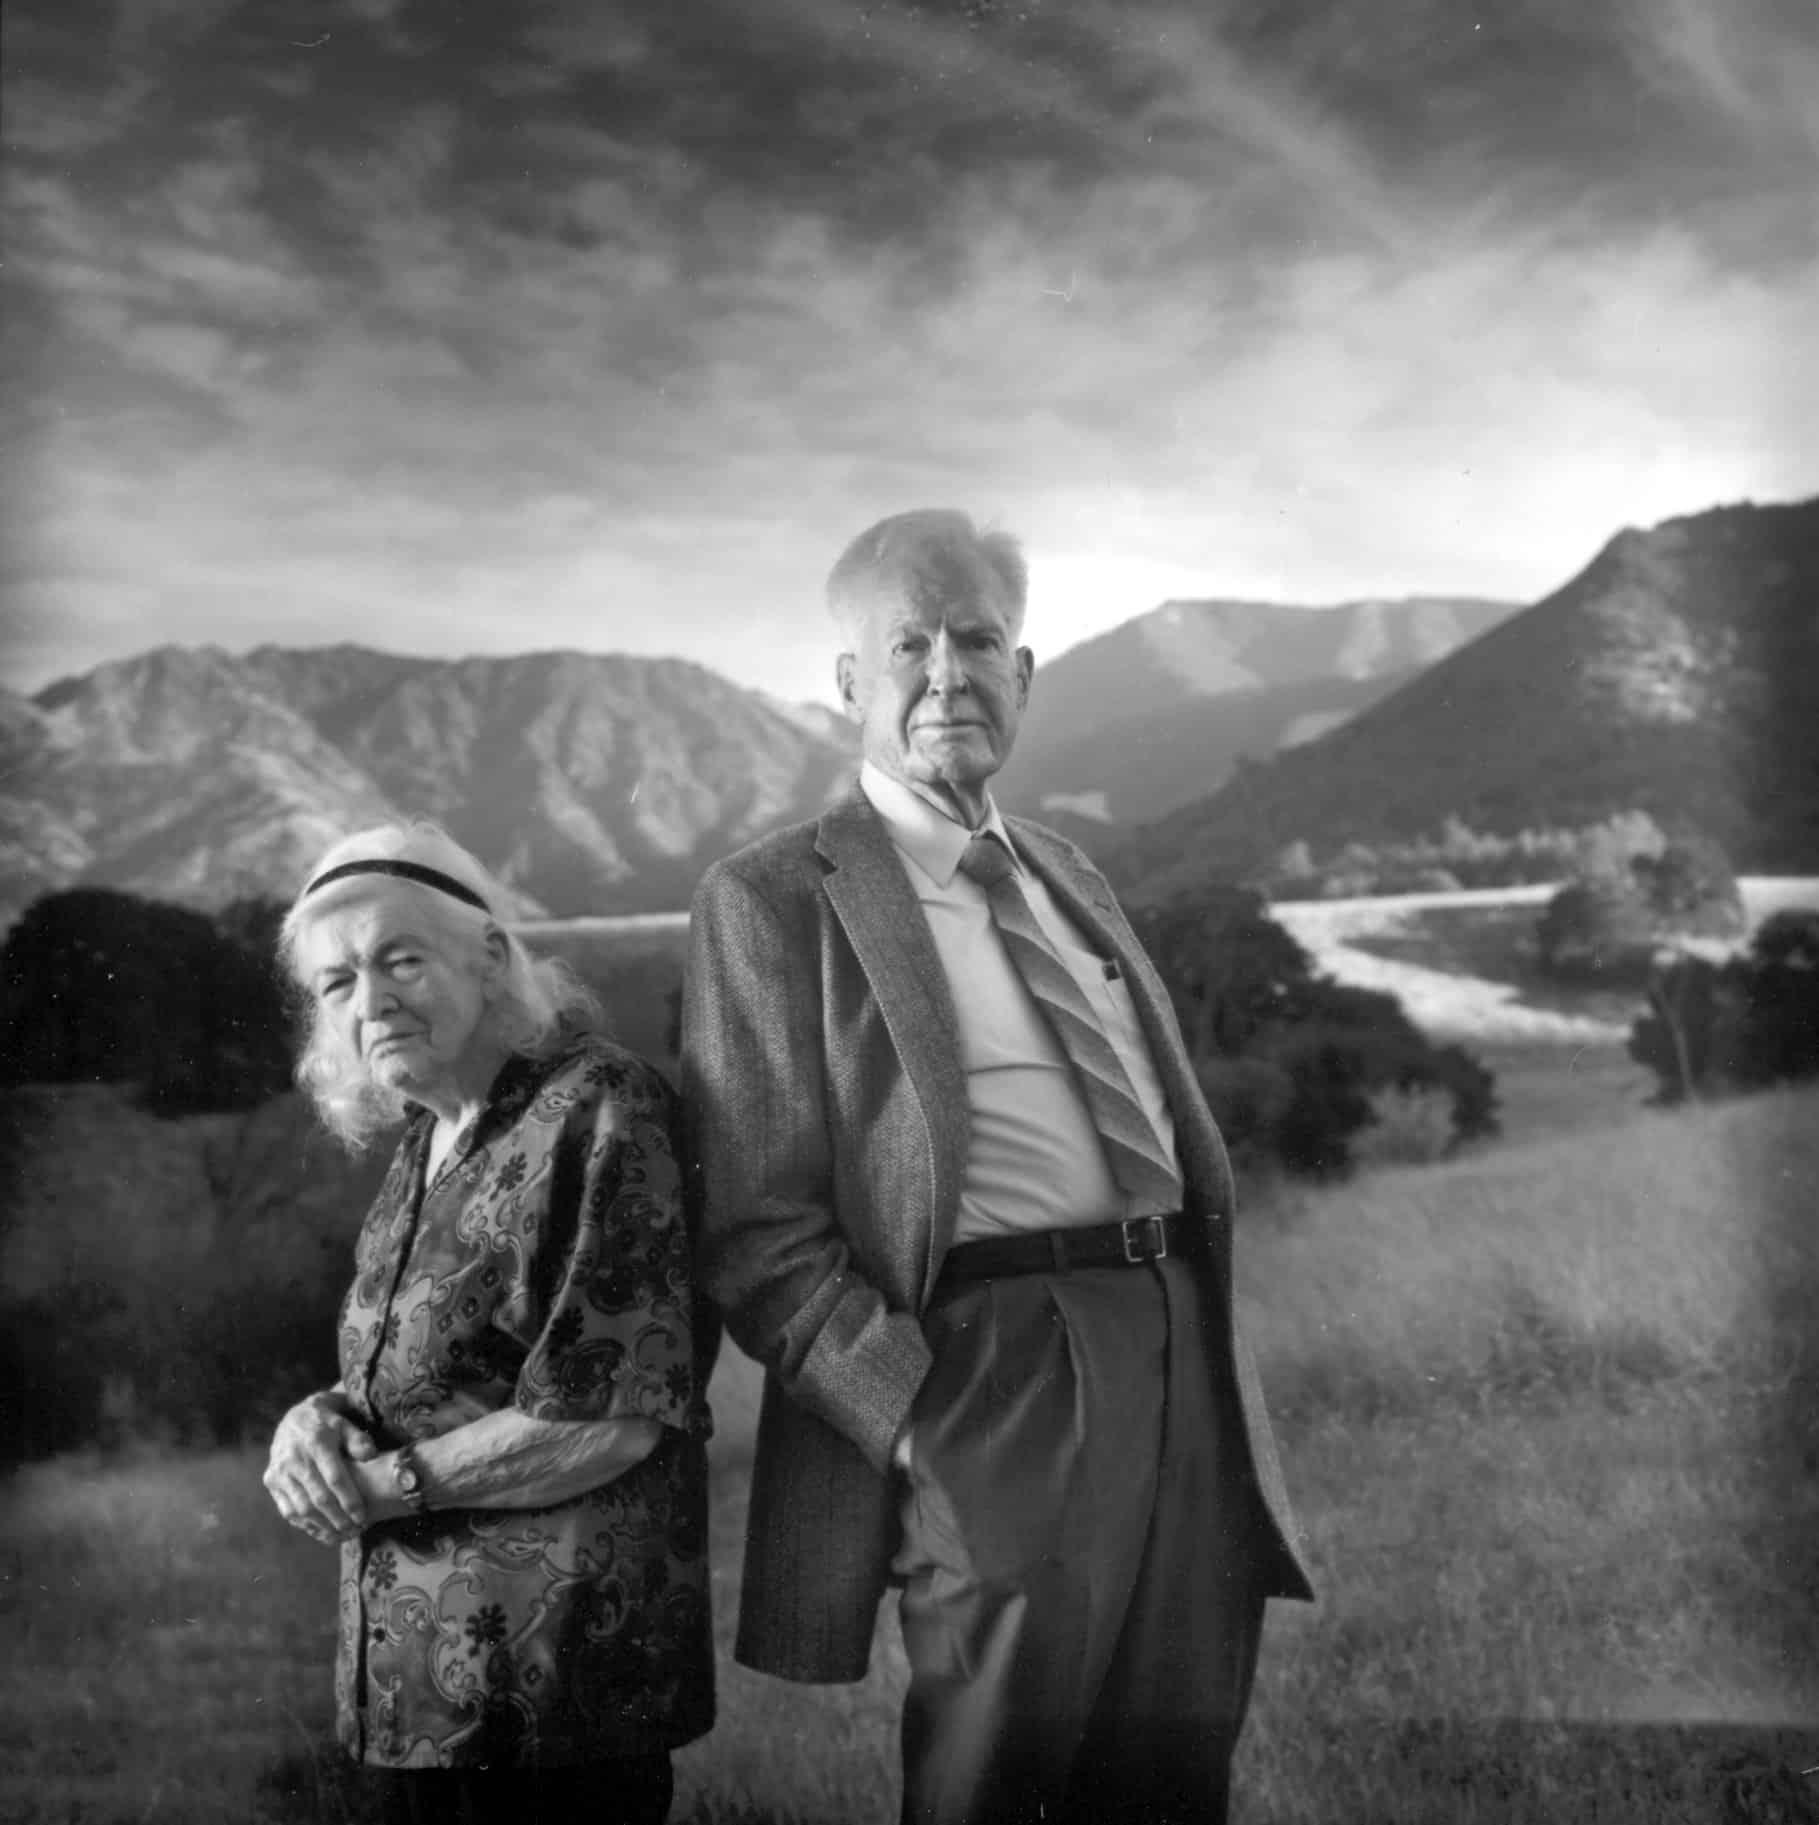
[1134,1227]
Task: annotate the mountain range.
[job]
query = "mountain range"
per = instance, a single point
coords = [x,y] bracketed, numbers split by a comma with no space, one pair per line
[601,783]
[591,782]
[1678,674]
[1157,712]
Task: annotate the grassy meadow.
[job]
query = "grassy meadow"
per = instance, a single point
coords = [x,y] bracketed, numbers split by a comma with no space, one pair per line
[1548,1413]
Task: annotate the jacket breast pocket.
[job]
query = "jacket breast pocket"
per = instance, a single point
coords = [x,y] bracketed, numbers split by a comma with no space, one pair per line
[1111,997]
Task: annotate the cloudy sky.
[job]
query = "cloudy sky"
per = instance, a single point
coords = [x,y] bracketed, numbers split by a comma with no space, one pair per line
[493,327]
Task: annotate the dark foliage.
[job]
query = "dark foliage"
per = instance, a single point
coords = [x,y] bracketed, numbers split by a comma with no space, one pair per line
[1742,1024]
[1289,1059]
[1691,888]
[1596,930]
[1606,924]
[98,986]
[217,1307]
[53,1389]
[1231,970]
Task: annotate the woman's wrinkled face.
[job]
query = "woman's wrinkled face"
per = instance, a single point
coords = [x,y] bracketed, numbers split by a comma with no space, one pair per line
[403,995]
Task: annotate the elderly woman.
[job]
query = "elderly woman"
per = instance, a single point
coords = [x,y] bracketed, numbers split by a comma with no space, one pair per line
[513,1460]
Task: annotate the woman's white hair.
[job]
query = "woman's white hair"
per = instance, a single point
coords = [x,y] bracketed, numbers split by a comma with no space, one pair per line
[538,1006]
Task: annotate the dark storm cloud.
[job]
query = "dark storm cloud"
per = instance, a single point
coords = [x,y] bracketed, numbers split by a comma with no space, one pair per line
[607,325]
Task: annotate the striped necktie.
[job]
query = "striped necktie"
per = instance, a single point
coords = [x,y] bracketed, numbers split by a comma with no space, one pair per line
[1136,1156]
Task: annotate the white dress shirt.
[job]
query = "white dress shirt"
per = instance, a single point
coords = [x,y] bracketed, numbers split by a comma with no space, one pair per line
[1034,1158]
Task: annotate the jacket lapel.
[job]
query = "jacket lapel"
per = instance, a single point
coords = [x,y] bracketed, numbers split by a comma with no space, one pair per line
[877,908]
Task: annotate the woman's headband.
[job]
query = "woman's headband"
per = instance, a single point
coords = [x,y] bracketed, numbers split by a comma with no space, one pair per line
[405,871]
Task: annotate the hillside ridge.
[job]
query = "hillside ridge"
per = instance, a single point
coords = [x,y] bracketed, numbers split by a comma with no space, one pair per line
[1159,710]
[1676,674]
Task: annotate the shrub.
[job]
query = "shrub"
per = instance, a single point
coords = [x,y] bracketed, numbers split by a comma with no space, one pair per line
[1248,1098]
[98,986]
[1327,1107]
[1408,1127]
[172,1281]
[1290,1060]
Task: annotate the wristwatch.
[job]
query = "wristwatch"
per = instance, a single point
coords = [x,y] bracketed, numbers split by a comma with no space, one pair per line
[407,1479]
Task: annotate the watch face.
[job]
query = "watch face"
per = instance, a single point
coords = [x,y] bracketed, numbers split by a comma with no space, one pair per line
[404,1474]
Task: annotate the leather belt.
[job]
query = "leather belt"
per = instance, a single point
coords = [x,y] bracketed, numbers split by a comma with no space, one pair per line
[1131,1243]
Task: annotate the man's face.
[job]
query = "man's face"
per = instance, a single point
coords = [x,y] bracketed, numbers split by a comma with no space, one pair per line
[936,683]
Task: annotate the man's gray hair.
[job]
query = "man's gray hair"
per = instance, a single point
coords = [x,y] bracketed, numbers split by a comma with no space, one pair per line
[540,1005]
[922,544]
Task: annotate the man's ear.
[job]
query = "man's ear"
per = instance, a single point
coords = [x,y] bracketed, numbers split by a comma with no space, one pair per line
[1026,670]
[846,675]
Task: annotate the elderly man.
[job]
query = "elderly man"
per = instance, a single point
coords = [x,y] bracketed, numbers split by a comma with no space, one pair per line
[960,1194]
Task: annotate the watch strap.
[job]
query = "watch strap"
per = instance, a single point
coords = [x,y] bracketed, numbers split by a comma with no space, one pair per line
[407,1479]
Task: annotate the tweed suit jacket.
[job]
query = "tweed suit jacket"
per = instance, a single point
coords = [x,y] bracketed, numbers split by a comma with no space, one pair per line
[827,1129]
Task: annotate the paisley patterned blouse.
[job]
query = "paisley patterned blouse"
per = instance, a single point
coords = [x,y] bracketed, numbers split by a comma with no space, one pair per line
[547,1268]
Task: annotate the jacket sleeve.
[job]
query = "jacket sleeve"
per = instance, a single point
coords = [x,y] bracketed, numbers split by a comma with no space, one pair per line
[761,1167]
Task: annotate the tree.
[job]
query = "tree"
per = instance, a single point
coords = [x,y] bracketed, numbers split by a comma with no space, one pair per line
[1608,922]
[1675,1038]
[1596,928]
[1615,846]
[1295,862]
[1691,889]
[100,986]
[1738,1024]
[1780,1038]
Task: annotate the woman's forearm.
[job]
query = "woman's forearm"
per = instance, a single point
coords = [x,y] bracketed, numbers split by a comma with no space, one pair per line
[507,1460]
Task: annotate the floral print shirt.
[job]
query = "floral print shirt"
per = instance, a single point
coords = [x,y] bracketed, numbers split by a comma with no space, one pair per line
[546,1268]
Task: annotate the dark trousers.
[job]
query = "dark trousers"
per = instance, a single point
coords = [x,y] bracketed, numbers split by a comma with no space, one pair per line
[625,1790]
[1083,1560]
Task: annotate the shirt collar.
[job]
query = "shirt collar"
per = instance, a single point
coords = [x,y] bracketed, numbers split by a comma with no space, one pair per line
[930,838]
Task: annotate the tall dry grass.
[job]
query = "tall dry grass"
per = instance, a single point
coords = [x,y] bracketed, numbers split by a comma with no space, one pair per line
[1549,1419]
[1551,1424]
[167,1645]
[1656,1249]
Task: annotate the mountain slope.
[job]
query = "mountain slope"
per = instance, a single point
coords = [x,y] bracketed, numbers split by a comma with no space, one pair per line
[1159,710]
[1678,674]
[172,775]
[592,783]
